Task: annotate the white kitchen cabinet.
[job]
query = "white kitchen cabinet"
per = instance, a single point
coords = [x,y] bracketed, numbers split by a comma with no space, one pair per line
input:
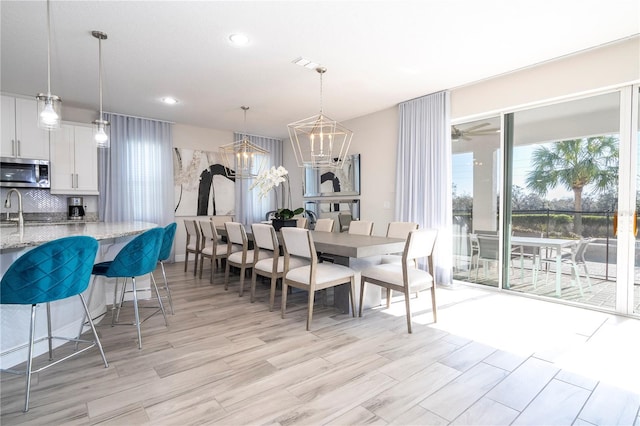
[21,136]
[74,161]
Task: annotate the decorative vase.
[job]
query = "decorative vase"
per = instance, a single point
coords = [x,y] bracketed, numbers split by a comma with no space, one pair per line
[279,223]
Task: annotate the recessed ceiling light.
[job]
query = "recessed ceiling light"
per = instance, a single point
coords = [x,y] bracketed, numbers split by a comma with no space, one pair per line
[304,62]
[239,39]
[169,100]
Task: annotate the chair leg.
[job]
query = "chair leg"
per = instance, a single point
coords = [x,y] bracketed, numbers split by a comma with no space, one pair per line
[586,274]
[310,308]
[93,329]
[242,272]
[49,339]
[284,298]
[84,318]
[254,277]
[407,302]
[186,260]
[272,292]
[166,287]
[32,333]
[135,311]
[155,286]
[433,303]
[388,298]
[124,290]
[361,296]
[213,260]
[226,276]
[195,268]
[201,265]
[352,295]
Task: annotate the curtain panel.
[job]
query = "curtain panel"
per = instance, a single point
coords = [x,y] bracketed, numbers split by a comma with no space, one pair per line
[423,173]
[136,172]
[249,207]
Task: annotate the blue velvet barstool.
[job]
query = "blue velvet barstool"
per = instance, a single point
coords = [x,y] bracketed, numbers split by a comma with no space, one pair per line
[165,252]
[53,271]
[139,257]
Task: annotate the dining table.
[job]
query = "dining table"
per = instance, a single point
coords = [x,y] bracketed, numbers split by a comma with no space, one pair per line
[556,244]
[355,251]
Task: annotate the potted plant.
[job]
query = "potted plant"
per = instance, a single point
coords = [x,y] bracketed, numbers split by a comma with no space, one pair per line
[271,179]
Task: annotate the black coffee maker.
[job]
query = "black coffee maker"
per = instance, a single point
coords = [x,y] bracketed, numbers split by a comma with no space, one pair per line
[76,208]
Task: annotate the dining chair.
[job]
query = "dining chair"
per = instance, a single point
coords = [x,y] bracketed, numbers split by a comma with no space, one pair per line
[573,258]
[522,252]
[403,278]
[302,222]
[344,220]
[314,276]
[360,227]
[398,230]
[53,271]
[238,253]
[324,225]
[165,252]
[488,251]
[193,243]
[137,258]
[212,247]
[269,262]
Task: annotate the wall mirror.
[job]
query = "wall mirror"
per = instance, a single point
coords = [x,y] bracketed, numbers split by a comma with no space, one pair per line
[332,182]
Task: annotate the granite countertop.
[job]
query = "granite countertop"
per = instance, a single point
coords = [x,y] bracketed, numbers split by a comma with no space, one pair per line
[36,233]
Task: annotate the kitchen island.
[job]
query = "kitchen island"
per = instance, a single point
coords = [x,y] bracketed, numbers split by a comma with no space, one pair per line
[66,314]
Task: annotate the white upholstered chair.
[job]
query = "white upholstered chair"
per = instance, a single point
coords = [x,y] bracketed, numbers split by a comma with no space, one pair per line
[270,263]
[238,253]
[193,243]
[402,277]
[315,276]
[324,225]
[212,247]
[302,222]
[361,227]
[398,230]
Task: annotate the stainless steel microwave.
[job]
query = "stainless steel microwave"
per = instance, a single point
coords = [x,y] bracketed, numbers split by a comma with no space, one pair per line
[24,173]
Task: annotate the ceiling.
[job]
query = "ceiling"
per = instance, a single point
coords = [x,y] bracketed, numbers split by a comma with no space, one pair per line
[377,53]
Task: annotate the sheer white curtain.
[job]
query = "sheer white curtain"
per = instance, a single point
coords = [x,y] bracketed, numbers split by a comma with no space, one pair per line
[423,173]
[249,207]
[136,172]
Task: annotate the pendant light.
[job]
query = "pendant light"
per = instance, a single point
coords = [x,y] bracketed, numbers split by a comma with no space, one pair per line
[101,127]
[49,106]
[320,142]
[242,159]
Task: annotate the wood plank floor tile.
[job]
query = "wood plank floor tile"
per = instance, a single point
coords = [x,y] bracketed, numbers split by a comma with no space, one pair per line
[558,404]
[462,392]
[486,412]
[521,386]
[505,360]
[609,405]
[418,415]
[467,356]
[357,416]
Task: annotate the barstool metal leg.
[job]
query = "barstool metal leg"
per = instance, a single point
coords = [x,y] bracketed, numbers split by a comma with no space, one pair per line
[49,331]
[153,280]
[166,287]
[32,333]
[93,329]
[136,313]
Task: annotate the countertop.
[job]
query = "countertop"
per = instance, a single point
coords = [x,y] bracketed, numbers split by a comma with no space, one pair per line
[36,233]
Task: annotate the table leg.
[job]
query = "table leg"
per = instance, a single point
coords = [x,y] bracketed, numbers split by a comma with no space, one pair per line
[558,272]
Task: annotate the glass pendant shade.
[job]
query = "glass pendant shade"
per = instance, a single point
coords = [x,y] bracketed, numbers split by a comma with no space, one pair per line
[49,111]
[320,142]
[49,106]
[101,133]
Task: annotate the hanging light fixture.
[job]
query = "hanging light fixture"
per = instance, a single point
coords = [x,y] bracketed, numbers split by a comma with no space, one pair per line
[49,105]
[319,141]
[101,127]
[242,159]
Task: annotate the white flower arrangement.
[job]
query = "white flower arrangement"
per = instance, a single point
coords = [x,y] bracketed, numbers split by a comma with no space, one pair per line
[271,179]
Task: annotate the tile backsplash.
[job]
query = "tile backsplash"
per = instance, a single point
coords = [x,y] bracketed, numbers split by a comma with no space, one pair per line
[43,203]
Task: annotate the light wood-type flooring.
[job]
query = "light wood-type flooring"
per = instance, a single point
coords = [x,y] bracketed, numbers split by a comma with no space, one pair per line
[492,359]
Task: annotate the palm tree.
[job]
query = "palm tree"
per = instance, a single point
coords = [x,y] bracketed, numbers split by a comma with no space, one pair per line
[575,164]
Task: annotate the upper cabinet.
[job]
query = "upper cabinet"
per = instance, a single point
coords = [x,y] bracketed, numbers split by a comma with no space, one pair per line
[74,160]
[21,136]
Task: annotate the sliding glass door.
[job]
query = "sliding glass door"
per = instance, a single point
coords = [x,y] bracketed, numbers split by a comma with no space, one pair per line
[544,201]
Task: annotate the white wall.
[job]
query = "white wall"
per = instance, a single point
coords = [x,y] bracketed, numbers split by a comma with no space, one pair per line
[610,65]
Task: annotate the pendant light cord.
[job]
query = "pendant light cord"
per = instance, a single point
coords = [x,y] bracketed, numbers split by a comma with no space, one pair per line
[48,49]
[100,72]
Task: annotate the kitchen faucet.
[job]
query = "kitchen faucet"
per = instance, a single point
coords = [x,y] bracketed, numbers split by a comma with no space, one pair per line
[7,204]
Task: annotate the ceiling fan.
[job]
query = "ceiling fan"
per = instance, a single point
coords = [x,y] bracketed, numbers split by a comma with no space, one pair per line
[477,130]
